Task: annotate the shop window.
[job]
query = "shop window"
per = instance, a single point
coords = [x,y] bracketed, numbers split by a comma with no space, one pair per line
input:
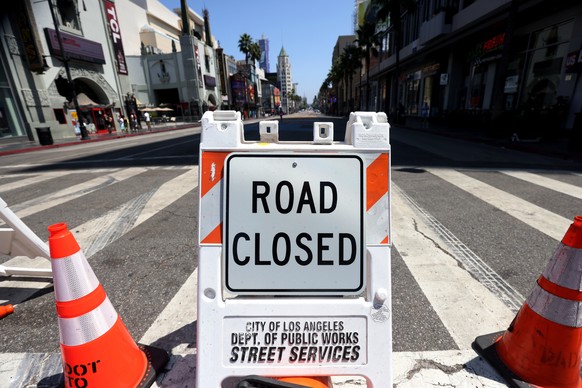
[411,97]
[545,61]
[60,116]
[69,15]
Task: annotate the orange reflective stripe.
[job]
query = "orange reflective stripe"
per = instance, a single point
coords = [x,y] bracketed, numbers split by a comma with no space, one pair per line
[215,237]
[562,292]
[376,180]
[555,309]
[84,305]
[212,166]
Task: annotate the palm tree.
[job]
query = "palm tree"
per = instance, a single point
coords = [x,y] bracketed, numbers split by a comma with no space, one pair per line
[367,40]
[244,45]
[254,52]
[352,60]
[392,10]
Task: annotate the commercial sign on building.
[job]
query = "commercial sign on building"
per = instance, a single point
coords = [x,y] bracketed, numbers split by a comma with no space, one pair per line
[574,62]
[75,47]
[115,32]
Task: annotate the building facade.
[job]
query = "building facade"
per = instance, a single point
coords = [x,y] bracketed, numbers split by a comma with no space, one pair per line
[172,61]
[114,58]
[507,65]
[44,82]
[284,79]
[264,61]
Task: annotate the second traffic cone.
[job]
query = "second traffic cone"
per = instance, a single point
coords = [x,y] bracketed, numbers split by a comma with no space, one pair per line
[543,344]
[97,350]
[310,382]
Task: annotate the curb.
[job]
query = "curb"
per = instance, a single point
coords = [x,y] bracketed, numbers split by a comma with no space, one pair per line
[95,139]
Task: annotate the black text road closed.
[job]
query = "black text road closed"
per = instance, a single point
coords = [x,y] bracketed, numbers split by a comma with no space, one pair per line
[294,224]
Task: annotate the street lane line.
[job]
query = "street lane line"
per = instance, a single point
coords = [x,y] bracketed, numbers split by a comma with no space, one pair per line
[34,178]
[469,259]
[548,183]
[464,305]
[48,201]
[28,181]
[99,232]
[537,217]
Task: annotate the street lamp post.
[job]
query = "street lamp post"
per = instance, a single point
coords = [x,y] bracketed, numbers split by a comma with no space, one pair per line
[65,60]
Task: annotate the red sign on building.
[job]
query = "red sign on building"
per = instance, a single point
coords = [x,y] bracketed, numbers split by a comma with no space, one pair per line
[116,36]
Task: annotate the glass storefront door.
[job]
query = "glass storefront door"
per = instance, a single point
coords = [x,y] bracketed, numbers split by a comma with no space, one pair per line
[10,125]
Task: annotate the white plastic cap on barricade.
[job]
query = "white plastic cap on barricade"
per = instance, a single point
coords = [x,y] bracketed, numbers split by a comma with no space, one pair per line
[226,122]
[368,130]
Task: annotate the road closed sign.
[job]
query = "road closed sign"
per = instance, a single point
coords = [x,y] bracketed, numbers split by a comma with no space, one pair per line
[294,224]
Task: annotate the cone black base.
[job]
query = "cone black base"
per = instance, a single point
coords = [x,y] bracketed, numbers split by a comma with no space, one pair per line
[157,359]
[485,346]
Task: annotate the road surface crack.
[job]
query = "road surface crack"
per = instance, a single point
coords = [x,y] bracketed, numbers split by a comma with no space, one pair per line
[431,364]
[436,244]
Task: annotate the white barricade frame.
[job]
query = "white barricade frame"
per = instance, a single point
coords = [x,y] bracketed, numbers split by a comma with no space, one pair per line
[261,333]
[19,240]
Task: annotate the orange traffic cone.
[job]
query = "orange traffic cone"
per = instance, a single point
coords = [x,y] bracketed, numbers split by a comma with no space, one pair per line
[543,344]
[308,382]
[6,310]
[97,350]
[284,382]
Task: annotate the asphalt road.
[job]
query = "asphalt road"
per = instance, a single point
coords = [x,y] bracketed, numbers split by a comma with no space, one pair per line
[491,218]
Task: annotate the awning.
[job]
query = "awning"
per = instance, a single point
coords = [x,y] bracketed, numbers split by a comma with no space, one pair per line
[84,100]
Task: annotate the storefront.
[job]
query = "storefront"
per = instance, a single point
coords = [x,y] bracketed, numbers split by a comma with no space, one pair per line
[10,125]
[419,88]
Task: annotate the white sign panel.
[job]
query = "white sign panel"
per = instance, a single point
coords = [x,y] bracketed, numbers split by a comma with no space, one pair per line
[294,340]
[294,224]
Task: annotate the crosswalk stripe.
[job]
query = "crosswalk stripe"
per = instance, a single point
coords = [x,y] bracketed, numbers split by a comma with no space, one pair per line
[125,217]
[111,226]
[537,217]
[96,234]
[35,178]
[448,288]
[29,181]
[469,259]
[168,193]
[417,236]
[548,183]
[48,201]
[178,313]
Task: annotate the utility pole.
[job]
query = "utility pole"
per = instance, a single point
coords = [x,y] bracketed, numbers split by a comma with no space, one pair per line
[65,60]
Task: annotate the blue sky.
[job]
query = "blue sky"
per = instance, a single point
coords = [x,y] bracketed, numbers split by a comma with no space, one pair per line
[307,29]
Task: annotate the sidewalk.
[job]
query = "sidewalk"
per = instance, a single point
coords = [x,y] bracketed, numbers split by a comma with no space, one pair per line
[559,147]
[17,147]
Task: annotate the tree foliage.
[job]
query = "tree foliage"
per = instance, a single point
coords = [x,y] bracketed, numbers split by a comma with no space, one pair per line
[244,45]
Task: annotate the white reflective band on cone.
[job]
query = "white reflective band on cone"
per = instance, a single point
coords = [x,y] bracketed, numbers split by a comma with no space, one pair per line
[566,268]
[559,310]
[87,327]
[73,277]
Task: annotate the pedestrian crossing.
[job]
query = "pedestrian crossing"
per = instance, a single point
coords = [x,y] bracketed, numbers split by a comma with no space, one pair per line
[466,293]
